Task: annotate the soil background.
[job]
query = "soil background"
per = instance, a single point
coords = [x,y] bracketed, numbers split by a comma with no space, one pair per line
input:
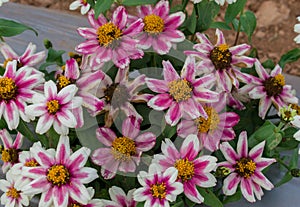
[274,34]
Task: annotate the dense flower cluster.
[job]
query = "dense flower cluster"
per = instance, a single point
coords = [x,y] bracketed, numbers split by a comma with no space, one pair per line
[139,115]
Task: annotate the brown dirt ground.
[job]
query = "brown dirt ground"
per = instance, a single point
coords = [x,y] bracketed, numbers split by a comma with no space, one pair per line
[273,36]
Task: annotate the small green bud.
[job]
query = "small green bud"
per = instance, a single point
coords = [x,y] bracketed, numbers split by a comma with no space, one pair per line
[222,172]
[47,44]
[295,172]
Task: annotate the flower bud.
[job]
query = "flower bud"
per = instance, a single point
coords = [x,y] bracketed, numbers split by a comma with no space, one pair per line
[222,172]
[295,172]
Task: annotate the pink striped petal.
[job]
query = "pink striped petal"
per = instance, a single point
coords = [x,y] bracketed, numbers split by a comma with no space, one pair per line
[145,141]
[277,70]
[162,9]
[229,152]
[60,196]
[88,47]
[72,69]
[242,145]
[247,190]
[186,127]
[239,49]
[78,159]
[161,101]
[131,127]
[119,17]
[259,178]
[231,183]
[220,37]
[63,149]
[173,115]
[168,149]
[158,86]
[87,33]
[190,147]
[173,21]
[135,28]
[202,38]
[260,70]
[264,105]
[8,52]
[192,193]
[105,136]
[161,46]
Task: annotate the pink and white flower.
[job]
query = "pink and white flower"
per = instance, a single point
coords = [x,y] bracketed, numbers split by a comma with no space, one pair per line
[56,108]
[10,153]
[16,90]
[12,187]
[87,84]
[297,29]
[222,61]
[111,40]
[123,152]
[160,28]
[61,175]
[193,170]
[210,131]
[117,96]
[119,198]
[181,94]
[28,58]
[158,188]
[83,4]
[270,88]
[91,203]
[245,169]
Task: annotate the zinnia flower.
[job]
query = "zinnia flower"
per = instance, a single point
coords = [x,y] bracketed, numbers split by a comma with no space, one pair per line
[91,203]
[222,61]
[297,29]
[85,6]
[111,40]
[119,198]
[16,90]
[10,153]
[181,94]
[211,130]
[87,84]
[271,89]
[123,152]
[12,187]
[28,58]
[158,188]
[117,96]
[192,170]
[160,28]
[246,169]
[55,108]
[61,175]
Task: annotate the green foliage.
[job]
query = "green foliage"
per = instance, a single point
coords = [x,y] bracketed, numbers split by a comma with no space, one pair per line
[9,28]
[289,57]
[102,6]
[210,198]
[206,11]
[137,2]
[233,10]
[248,22]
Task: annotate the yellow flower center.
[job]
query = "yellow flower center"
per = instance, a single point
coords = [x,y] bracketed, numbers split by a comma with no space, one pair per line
[116,95]
[180,89]
[8,88]
[123,148]
[53,106]
[63,81]
[274,85]
[221,57]
[158,190]
[58,175]
[245,167]
[75,205]
[153,24]
[185,169]
[13,193]
[209,124]
[31,163]
[296,107]
[107,33]
[10,155]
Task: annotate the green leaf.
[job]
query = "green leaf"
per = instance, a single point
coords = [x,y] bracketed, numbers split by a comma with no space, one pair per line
[210,198]
[179,204]
[102,6]
[289,57]
[266,131]
[294,159]
[248,22]
[268,64]
[55,56]
[25,129]
[140,204]
[233,10]
[273,141]
[9,28]
[220,25]
[137,2]
[235,197]
[191,22]
[286,178]
[207,11]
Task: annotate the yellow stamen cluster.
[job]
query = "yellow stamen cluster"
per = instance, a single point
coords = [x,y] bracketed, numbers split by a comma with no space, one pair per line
[153,24]
[63,81]
[75,205]
[58,175]
[53,106]
[274,85]
[221,56]
[209,124]
[107,33]
[13,193]
[296,107]
[245,167]
[31,163]
[123,148]
[180,89]
[158,190]
[10,155]
[8,88]
[185,169]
